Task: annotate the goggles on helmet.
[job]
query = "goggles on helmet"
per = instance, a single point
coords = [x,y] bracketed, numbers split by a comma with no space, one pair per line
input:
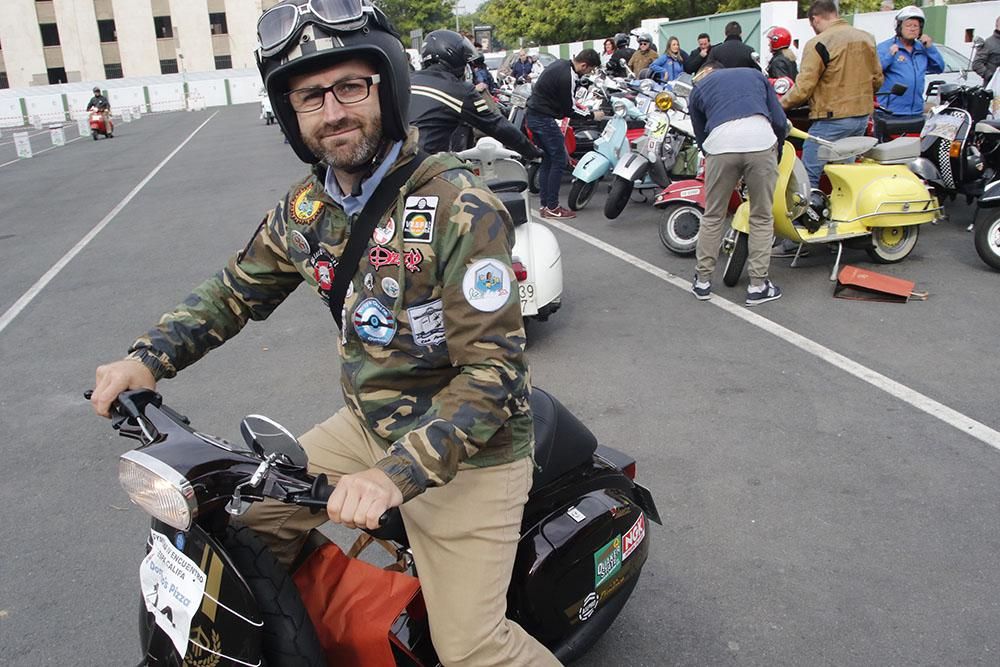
[278,25]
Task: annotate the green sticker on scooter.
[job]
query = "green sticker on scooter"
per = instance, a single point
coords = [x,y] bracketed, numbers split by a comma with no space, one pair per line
[607,561]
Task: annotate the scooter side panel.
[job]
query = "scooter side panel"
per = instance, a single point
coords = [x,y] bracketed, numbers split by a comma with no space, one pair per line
[591,167]
[538,248]
[632,168]
[877,195]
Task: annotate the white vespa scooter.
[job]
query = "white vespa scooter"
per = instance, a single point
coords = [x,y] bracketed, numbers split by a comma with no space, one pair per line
[537,258]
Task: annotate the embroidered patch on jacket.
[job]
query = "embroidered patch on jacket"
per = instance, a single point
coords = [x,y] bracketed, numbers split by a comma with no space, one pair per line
[427,323]
[486,285]
[418,219]
[305,210]
[374,323]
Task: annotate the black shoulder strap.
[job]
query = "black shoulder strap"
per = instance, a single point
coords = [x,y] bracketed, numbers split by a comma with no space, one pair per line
[380,201]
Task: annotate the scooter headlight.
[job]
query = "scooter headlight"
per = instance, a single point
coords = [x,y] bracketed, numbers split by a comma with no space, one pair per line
[619,108]
[158,489]
[664,101]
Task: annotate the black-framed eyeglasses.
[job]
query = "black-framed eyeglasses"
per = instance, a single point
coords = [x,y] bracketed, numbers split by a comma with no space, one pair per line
[278,24]
[643,41]
[346,91]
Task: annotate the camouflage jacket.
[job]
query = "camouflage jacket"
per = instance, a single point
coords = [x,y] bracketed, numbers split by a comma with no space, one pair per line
[432,348]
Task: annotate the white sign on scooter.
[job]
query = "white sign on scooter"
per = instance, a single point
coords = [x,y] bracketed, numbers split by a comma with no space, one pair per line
[172,588]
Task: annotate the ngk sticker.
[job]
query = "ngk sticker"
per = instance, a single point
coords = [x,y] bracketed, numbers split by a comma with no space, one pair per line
[634,536]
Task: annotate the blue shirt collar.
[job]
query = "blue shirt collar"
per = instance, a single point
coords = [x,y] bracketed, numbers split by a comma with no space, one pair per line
[353,204]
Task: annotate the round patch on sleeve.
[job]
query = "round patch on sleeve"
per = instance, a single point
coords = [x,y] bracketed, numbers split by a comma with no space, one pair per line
[487,285]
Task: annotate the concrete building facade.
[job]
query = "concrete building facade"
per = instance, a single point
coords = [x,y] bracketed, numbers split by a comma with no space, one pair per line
[46,42]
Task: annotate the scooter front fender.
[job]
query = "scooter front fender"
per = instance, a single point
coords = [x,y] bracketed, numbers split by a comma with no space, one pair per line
[591,167]
[632,168]
[688,192]
[991,196]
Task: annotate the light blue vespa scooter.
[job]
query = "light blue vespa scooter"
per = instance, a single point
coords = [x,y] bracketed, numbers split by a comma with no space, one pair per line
[612,145]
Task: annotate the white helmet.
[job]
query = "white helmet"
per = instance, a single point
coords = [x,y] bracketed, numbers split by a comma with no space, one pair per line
[910,12]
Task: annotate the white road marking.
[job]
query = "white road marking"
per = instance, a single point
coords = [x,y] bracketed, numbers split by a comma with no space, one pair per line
[28,296]
[953,418]
[39,152]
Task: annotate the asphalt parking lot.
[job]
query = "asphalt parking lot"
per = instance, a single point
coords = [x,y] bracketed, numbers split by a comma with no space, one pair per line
[826,469]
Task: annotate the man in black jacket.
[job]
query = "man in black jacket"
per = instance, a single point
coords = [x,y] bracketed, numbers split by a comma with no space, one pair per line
[699,56]
[441,99]
[733,52]
[622,52]
[552,100]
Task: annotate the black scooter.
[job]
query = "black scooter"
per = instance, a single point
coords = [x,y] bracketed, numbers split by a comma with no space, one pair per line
[213,594]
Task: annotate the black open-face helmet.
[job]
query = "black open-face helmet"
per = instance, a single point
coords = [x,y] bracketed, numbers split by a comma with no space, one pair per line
[97,90]
[301,36]
[621,40]
[448,48]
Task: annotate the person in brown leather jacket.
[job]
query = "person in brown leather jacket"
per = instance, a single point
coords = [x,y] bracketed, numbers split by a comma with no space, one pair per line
[839,77]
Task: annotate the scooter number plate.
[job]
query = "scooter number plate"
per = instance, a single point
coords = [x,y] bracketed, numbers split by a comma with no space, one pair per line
[527,294]
[944,126]
[657,125]
[172,588]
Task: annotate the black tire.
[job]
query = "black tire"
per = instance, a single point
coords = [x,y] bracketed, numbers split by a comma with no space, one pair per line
[679,227]
[892,244]
[533,185]
[93,133]
[580,194]
[621,190]
[737,259]
[288,634]
[987,236]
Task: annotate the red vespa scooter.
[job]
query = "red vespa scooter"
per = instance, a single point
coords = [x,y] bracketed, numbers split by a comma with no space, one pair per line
[100,124]
[683,205]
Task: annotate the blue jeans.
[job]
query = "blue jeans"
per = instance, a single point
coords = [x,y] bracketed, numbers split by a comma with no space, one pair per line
[837,128]
[554,158]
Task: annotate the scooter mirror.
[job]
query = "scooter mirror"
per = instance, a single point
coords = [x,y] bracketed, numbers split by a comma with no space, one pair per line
[266,436]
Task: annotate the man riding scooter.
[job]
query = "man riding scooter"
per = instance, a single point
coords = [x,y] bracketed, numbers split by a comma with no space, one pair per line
[100,104]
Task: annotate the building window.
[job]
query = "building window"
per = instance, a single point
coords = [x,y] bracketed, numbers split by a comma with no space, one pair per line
[106,29]
[223,62]
[168,66]
[57,75]
[163,27]
[217,22]
[50,34]
[113,71]
[4,83]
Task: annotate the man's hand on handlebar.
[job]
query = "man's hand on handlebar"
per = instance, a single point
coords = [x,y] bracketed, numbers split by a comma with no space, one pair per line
[360,499]
[116,377]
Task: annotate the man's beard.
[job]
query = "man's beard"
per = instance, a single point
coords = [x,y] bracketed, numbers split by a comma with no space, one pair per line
[352,157]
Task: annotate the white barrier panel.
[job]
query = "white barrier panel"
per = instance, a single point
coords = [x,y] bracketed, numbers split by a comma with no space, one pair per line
[212,92]
[48,107]
[196,103]
[126,96]
[166,97]
[137,112]
[36,122]
[245,89]
[23,144]
[58,136]
[126,115]
[83,125]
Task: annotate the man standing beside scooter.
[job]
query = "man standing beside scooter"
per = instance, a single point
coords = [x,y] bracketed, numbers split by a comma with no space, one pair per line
[740,127]
[906,57]
[552,99]
[839,76]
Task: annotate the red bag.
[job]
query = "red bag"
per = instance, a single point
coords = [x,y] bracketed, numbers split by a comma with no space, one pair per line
[352,605]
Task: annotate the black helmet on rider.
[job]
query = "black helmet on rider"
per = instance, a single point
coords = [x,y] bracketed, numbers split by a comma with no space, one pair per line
[97,90]
[621,40]
[448,48]
[301,36]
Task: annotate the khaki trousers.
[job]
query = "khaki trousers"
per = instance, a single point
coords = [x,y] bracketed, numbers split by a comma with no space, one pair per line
[760,172]
[463,536]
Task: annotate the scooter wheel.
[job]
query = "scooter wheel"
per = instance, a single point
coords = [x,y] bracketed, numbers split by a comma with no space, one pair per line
[534,187]
[737,258]
[580,194]
[987,234]
[892,244]
[679,228]
[93,133]
[621,190]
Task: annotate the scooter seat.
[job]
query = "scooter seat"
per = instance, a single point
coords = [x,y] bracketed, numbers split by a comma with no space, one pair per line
[514,203]
[988,127]
[561,441]
[897,126]
[847,148]
[898,151]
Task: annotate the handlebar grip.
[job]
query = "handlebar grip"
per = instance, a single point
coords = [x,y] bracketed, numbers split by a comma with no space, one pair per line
[320,494]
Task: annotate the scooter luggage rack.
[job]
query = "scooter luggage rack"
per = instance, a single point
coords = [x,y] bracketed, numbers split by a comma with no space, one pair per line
[906,209]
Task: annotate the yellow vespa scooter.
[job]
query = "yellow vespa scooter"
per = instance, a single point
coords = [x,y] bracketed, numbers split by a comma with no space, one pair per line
[876,203]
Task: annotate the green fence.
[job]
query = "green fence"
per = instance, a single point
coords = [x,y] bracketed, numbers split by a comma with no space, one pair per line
[687,30]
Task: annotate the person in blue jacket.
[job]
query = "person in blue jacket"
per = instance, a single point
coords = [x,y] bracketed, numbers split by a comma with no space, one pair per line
[906,58]
[670,65]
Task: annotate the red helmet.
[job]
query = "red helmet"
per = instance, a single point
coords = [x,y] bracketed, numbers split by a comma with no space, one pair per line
[779,38]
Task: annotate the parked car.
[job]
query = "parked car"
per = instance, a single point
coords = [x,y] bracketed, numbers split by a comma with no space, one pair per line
[545,59]
[956,70]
